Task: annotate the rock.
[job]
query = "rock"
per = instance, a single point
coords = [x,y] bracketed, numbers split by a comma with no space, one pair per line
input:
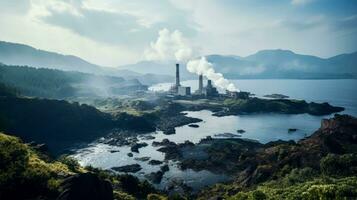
[169,131]
[186,144]
[165,168]
[193,125]
[114,151]
[147,137]
[86,186]
[136,146]
[155,177]
[155,162]
[128,168]
[240,131]
[171,152]
[291,130]
[142,159]
[130,154]
[164,142]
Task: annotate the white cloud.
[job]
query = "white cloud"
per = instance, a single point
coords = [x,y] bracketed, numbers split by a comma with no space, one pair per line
[169,46]
[114,32]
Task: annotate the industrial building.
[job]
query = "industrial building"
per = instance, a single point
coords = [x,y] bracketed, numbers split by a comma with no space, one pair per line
[209,91]
[177,89]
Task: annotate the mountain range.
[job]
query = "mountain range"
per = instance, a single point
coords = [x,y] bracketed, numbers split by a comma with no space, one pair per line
[24,55]
[264,64]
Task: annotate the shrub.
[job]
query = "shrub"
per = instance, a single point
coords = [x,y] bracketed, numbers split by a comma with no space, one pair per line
[339,165]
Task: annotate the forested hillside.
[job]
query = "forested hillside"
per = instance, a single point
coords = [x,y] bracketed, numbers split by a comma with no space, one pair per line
[58,123]
[50,83]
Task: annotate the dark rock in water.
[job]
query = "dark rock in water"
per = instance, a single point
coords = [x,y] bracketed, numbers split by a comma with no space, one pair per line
[169,131]
[290,130]
[130,154]
[240,131]
[194,125]
[142,159]
[114,151]
[128,168]
[136,146]
[164,142]
[171,152]
[155,162]
[147,137]
[165,168]
[155,177]
[86,186]
[187,143]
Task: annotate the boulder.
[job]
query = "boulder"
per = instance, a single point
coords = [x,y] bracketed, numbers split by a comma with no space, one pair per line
[155,162]
[135,148]
[128,168]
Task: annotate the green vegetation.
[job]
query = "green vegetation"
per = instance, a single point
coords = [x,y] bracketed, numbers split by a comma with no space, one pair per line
[60,124]
[26,173]
[51,83]
[256,105]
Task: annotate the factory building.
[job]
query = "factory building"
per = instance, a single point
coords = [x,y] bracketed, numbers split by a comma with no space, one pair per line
[209,90]
[184,91]
[177,89]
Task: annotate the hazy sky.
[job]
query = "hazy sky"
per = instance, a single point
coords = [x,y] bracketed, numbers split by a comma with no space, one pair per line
[116,32]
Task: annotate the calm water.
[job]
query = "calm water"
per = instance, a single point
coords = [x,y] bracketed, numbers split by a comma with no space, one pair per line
[261,127]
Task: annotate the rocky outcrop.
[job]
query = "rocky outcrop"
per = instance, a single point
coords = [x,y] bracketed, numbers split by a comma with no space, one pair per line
[86,186]
[155,162]
[135,147]
[128,168]
[155,177]
[254,163]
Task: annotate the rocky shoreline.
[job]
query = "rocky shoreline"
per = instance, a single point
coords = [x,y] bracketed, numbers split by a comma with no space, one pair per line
[254,162]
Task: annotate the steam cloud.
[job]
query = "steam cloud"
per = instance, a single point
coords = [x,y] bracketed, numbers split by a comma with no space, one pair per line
[169,46]
[202,66]
[173,45]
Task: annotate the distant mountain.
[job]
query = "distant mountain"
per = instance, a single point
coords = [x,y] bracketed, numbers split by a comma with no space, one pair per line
[19,54]
[265,64]
[285,64]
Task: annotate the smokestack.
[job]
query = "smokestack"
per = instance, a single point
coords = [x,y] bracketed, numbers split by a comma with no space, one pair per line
[177,74]
[209,84]
[200,83]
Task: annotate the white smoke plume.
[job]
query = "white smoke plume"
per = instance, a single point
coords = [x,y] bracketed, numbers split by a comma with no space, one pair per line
[173,45]
[169,46]
[202,66]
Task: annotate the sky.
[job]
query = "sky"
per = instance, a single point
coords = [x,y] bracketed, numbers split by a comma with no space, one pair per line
[118,32]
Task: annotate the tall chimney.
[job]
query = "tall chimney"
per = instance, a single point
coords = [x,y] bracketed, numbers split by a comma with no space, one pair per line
[200,83]
[177,74]
[209,84]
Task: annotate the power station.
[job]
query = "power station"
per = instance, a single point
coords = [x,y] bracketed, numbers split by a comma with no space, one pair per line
[178,89]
